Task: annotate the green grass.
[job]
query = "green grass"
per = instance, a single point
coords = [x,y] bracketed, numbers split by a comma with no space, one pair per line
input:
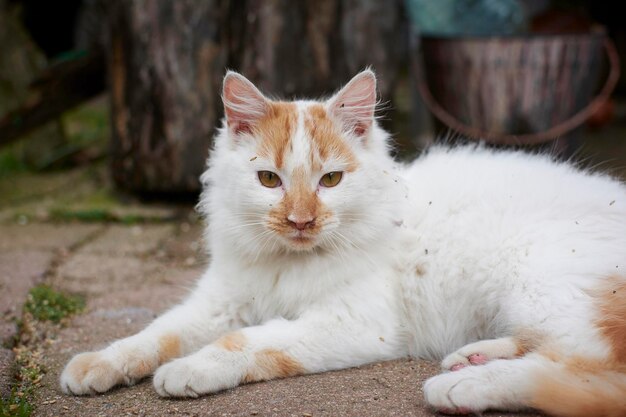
[46,304]
[99,215]
[28,377]
[43,304]
[16,406]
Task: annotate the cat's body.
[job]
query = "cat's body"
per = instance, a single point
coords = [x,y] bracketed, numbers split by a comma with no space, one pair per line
[517,253]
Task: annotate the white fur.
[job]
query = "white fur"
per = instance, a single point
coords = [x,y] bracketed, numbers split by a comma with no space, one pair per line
[463,244]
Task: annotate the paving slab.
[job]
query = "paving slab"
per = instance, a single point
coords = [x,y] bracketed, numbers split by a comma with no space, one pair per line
[133,240]
[6,372]
[20,270]
[44,236]
[123,280]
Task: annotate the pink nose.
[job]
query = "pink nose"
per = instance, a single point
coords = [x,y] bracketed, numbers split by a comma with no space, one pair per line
[301,224]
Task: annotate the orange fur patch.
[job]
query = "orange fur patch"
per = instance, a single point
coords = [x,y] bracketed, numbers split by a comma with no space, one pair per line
[326,137]
[141,368]
[275,130]
[611,299]
[101,373]
[271,364]
[169,348]
[567,396]
[232,342]
[526,341]
[86,362]
[301,201]
[575,386]
[580,387]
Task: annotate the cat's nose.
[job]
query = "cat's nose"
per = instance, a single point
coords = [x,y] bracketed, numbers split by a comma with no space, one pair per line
[301,223]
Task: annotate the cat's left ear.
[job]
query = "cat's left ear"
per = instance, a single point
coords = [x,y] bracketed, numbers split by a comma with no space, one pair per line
[244,104]
[354,105]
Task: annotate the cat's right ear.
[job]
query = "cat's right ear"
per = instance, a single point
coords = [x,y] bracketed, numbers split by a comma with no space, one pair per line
[244,104]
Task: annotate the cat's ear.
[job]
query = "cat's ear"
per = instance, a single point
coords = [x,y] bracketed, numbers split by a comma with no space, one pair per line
[354,105]
[244,104]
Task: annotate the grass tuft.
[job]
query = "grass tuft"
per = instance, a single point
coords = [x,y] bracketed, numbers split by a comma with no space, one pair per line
[46,304]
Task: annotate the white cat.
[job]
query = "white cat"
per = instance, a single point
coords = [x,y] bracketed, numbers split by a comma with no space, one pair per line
[327,254]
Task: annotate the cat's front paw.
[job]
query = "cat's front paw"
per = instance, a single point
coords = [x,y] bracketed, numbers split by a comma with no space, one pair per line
[453,393]
[90,373]
[196,375]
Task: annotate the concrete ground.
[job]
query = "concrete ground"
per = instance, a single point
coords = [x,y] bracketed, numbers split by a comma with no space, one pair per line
[131,261]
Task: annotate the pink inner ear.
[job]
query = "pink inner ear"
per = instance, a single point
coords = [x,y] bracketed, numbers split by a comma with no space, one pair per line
[354,105]
[244,104]
[242,127]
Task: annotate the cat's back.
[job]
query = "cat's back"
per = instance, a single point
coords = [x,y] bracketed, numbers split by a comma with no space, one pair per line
[467,177]
[509,210]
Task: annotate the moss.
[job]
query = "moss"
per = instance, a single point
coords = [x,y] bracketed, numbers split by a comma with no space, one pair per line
[44,303]
[83,215]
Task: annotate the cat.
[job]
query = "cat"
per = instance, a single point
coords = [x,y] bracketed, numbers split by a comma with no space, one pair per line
[328,254]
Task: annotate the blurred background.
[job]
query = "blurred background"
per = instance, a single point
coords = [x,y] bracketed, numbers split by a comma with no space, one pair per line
[108,108]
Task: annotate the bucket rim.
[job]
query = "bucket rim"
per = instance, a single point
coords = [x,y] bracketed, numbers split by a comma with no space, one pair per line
[511,37]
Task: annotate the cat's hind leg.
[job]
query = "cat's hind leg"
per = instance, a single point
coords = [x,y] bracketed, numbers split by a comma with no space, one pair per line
[498,384]
[483,351]
[551,382]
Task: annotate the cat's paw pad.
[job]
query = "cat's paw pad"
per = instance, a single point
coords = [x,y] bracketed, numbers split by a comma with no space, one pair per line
[89,373]
[452,393]
[457,360]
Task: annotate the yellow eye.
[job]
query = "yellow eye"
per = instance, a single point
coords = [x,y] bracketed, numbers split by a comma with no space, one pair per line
[331,179]
[269,179]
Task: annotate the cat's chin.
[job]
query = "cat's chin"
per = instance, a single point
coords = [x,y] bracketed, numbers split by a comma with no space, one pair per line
[300,242]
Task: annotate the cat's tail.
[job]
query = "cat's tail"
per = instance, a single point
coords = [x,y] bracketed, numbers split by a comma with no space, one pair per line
[577,387]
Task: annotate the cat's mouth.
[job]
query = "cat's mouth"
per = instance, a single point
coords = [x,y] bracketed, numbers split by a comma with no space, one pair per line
[302,239]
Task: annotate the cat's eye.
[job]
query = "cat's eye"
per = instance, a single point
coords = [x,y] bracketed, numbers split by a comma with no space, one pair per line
[331,179]
[269,179]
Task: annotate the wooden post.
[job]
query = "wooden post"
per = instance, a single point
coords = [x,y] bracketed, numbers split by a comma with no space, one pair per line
[166,62]
[167,58]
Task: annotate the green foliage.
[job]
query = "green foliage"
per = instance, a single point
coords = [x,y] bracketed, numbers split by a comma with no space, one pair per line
[10,162]
[15,406]
[44,303]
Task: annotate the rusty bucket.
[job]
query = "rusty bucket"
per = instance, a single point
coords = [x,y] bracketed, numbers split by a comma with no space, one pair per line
[515,90]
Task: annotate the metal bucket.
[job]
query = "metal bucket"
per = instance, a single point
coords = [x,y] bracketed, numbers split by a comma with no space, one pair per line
[515,90]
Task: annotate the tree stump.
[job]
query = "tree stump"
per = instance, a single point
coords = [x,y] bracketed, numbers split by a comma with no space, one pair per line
[167,59]
[166,62]
[308,48]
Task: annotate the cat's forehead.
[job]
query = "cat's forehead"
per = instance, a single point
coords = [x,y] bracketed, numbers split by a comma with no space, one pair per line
[302,133]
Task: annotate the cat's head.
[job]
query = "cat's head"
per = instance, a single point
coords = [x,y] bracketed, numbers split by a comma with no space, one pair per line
[298,176]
